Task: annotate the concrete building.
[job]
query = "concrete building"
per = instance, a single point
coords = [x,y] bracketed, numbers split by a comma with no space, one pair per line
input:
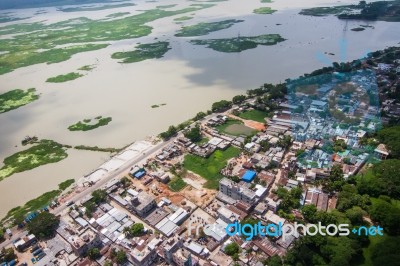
[86,240]
[144,254]
[173,244]
[143,203]
[237,191]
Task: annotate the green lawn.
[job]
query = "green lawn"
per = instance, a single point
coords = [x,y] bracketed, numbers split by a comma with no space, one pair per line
[209,168]
[235,128]
[177,184]
[254,115]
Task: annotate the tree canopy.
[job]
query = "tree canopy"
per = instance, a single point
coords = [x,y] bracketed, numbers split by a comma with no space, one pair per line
[44,225]
[221,106]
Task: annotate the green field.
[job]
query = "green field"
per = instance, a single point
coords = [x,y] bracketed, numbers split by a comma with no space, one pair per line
[263,10]
[45,152]
[16,98]
[209,168]
[94,8]
[90,124]
[176,184]
[64,78]
[205,28]
[143,52]
[35,43]
[235,128]
[239,44]
[254,115]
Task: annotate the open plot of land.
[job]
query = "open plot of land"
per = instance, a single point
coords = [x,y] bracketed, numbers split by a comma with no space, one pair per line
[177,184]
[239,44]
[201,197]
[16,98]
[209,168]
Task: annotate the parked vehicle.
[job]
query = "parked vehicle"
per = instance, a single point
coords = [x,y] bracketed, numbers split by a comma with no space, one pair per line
[41,256]
[34,248]
[13,263]
[38,251]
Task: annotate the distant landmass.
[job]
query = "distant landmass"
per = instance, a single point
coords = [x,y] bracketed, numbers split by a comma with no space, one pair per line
[11,4]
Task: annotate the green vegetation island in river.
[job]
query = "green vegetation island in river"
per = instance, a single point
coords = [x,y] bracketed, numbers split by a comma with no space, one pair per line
[16,98]
[90,124]
[240,43]
[143,52]
[379,10]
[64,78]
[205,28]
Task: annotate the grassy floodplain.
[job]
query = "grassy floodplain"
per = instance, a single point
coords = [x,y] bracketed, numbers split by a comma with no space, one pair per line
[263,10]
[44,152]
[90,124]
[143,52]
[255,115]
[176,184]
[209,168]
[94,8]
[205,28]
[16,98]
[239,44]
[35,43]
[64,78]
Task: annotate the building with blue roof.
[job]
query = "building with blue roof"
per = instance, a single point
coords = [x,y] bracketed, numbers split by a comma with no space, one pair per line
[249,176]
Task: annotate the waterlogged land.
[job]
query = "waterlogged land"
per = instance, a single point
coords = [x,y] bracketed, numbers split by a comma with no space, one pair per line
[264,10]
[95,8]
[143,52]
[36,43]
[16,98]
[64,78]
[239,44]
[205,28]
[379,10]
[90,124]
[87,68]
[45,152]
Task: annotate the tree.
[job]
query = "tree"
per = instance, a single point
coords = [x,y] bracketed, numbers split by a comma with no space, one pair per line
[108,263]
[44,225]
[387,215]
[126,181]
[309,212]
[232,249]
[355,215]
[274,261]
[199,115]
[99,196]
[120,257]
[221,106]
[9,254]
[94,253]
[386,252]
[194,134]
[238,99]
[1,233]
[391,137]
[137,229]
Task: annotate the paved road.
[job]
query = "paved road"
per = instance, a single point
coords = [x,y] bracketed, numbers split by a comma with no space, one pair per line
[111,175]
